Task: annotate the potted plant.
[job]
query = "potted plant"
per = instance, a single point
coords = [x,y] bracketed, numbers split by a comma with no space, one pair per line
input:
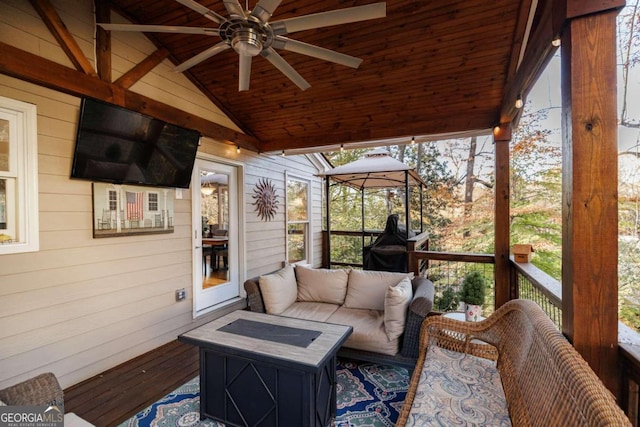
[473,293]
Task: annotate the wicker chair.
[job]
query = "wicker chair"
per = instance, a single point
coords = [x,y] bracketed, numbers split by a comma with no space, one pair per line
[40,390]
[546,382]
[43,389]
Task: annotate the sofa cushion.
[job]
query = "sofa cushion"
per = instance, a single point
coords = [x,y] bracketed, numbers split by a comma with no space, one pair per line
[368,330]
[458,389]
[318,311]
[279,290]
[366,289]
[396,303]
[321,285]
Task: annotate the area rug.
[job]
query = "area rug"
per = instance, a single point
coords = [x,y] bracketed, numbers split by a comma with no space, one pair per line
[367,395]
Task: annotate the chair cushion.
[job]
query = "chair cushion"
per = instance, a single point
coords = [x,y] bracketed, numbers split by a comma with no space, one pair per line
[396,303]
[368,330]
[279,290]
[318,311]
[367,289]
[458,389]
[321,285]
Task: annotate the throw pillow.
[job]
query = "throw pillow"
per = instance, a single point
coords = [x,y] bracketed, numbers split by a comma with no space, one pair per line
[366,289]
[279,290]
[321,285]
[396,303]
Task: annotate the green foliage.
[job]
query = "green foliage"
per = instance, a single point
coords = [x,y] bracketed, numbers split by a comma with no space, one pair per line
[474,288]
[448,301]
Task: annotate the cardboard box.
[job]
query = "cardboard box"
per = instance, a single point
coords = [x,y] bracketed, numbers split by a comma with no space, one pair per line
[522,253]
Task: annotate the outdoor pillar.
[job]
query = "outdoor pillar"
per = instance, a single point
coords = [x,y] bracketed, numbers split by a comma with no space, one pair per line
[590,186]
[328,219]
[502,138]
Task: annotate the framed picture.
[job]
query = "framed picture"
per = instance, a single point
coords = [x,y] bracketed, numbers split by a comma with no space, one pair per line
[128,210]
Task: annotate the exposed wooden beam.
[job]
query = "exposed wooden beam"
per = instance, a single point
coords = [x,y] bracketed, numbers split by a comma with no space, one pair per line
[590,192]
[576,8]
[27,66]
[53,22]
[538,54]
[519,38]
[103,40]
[375,133]
[129,78]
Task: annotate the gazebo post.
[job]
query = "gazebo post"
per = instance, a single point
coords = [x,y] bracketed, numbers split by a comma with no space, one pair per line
[406,201]
[421,210]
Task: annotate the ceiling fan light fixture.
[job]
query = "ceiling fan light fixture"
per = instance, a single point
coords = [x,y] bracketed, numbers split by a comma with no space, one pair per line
[247,41]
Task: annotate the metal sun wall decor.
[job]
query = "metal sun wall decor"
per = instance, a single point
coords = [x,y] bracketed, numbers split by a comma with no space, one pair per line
[266,199]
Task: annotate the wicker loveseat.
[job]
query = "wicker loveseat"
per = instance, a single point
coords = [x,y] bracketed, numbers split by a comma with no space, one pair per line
[369,340]
[539,379]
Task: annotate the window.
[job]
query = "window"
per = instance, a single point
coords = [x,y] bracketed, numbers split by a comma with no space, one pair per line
[297,220]
[18,177]
[153,202]
[113,200]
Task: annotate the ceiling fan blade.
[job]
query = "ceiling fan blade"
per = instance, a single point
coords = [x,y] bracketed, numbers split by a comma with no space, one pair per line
[333,17]
[245,72]
[160,29]
[233,8]
[316,52]
[206,54]
[272,56]
[264,9]
[206,12]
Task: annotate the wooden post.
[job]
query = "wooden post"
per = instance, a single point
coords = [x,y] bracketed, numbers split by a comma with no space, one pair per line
[502,137]
[590,186]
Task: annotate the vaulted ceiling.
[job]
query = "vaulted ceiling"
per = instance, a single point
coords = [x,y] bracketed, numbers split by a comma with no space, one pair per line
[429,67]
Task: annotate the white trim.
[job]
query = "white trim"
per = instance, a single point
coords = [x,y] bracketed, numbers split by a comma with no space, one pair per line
[240,226]
[23,118]
[308,222]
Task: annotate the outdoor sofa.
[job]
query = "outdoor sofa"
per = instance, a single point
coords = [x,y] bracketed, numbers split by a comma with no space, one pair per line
[514,368]
[385,309]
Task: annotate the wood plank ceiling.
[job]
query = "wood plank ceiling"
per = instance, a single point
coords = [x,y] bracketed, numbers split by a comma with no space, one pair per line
[429,67]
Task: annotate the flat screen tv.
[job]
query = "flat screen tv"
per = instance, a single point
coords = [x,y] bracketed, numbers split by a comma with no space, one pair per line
[121,146]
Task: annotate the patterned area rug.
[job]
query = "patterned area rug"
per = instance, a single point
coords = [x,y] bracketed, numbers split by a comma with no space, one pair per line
[368,395]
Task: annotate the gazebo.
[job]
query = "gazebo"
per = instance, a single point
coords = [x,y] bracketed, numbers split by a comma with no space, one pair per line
[377,170]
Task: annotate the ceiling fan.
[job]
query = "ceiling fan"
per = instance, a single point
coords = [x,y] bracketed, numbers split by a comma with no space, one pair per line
[250,34]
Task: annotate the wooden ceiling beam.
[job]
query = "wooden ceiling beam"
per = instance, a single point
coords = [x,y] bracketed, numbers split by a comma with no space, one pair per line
[68,44]
[103,40]
[27,66]
[537,56]
[437,126]
[129,78]
[576,8]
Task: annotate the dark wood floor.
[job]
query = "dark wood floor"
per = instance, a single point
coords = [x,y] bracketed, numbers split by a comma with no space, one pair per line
[119,393]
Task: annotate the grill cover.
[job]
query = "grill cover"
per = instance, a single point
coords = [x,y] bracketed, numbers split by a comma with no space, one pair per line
[389,251]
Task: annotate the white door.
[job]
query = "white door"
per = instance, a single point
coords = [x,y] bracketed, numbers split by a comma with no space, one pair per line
[215,234]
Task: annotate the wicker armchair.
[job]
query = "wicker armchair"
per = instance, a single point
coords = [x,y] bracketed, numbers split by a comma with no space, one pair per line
[546,382]
[43,389]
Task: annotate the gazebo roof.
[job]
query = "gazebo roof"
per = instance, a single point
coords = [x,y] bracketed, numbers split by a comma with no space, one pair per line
[376,170]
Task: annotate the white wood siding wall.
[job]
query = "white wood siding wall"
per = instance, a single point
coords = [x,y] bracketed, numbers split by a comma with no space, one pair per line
[81,305]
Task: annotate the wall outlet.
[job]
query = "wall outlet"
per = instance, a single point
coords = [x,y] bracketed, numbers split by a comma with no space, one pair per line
[181,294]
